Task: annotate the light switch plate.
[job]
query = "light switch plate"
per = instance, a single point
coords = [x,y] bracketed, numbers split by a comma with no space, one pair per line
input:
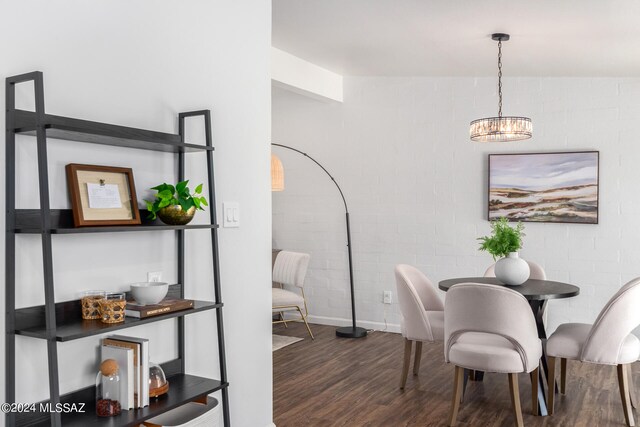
[230,214]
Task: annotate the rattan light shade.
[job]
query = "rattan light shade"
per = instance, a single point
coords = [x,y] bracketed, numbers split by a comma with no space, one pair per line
[277,174]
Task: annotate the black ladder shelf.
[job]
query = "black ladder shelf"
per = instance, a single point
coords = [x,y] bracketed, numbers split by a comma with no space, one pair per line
[57,322]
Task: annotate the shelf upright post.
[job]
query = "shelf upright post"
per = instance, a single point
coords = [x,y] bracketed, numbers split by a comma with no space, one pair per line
[216,268]
[181,257]
[206,115]
[47,250]
[45,232]
[10,249]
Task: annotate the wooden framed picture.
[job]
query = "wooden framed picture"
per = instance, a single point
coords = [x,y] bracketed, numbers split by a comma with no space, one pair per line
[102,195]
[545,187]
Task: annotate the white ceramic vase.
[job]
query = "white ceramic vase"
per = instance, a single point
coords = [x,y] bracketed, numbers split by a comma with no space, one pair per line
[512,270]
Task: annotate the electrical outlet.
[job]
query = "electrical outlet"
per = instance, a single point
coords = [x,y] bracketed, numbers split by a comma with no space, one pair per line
[154,276]
[386,297]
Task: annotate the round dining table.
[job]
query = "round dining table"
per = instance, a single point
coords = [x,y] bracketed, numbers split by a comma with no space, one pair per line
[538,293]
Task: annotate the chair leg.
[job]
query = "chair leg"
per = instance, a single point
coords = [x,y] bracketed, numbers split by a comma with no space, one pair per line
[304,318]
[405,363]
[465,380]
[457,392]
[624,394]
[632,388]
[551,383]
[563,375]
[535,381]
[283,321]
[515,399]
[418,356]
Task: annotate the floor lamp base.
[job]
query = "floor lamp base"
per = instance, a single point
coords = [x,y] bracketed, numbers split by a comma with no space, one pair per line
[351,332]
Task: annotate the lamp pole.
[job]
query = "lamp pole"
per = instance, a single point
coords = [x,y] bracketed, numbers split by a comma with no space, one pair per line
[352,331]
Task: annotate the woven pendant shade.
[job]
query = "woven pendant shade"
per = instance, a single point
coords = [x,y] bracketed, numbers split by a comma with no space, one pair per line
[277,174]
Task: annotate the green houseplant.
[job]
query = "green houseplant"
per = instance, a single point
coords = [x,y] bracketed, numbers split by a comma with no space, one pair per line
[504,242]
[504,239]
[176,205]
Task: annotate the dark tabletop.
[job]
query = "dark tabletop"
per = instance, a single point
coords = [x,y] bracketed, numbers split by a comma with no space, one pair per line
[532,289]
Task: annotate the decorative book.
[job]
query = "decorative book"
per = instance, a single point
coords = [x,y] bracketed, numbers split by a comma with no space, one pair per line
[165,306]
[142,364]
[137,373]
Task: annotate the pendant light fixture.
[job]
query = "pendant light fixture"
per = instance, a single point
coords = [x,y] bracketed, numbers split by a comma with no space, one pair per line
[501,128]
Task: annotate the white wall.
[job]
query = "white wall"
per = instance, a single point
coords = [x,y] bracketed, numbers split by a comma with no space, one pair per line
[416,186]
[139,64]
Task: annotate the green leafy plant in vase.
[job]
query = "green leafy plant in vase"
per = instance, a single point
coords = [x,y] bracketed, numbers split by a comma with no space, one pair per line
[176,205]
[503,244]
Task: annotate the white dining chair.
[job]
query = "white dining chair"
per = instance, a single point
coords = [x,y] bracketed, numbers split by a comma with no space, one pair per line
[535,272]
[609,341]
[491,328]
[290,269]
[422,314]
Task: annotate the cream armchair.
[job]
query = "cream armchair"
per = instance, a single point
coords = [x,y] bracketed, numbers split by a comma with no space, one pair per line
[609,341]
[491,328]
[290,269]
[422,314]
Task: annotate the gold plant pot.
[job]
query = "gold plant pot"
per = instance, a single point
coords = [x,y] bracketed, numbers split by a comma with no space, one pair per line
[174,215]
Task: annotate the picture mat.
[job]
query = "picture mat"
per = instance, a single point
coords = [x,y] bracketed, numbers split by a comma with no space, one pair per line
[116,178]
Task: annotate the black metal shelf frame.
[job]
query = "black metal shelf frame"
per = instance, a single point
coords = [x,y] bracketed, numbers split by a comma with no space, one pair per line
[47,222]
[184,388]
[28,221]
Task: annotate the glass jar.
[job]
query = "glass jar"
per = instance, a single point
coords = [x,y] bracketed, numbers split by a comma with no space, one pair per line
[112,308]
[108,389]
[158,384]
[91,304]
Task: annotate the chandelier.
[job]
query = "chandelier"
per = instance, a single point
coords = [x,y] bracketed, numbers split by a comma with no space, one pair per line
[501,128]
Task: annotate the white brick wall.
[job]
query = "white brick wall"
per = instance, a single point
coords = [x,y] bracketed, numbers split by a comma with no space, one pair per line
[416,186]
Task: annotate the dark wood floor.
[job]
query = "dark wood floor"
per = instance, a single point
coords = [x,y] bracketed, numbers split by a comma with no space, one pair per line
[354,382]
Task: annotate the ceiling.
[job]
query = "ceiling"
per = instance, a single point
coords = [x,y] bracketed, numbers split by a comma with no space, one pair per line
[452,37]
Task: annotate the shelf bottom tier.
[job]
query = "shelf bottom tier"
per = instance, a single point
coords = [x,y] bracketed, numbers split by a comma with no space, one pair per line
[183,388]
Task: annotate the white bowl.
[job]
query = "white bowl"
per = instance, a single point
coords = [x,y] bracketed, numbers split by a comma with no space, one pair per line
[146,293]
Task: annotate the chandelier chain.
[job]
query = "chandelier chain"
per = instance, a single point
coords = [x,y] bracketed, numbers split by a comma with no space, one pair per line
[499,78]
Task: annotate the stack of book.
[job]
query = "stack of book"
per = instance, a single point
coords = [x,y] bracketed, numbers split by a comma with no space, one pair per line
[132,355]
[165,306]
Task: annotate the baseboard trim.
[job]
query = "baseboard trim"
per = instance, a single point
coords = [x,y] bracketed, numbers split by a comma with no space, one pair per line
[337,321]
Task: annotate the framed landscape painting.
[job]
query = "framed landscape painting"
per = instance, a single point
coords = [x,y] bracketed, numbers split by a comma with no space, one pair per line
[544,187]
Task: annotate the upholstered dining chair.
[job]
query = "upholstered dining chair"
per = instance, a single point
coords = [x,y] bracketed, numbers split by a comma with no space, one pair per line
[290,269]
[491,328]
[535,272]
[422,314]
[608,341]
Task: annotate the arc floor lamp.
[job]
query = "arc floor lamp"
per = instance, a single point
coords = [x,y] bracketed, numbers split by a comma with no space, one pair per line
[277,184]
